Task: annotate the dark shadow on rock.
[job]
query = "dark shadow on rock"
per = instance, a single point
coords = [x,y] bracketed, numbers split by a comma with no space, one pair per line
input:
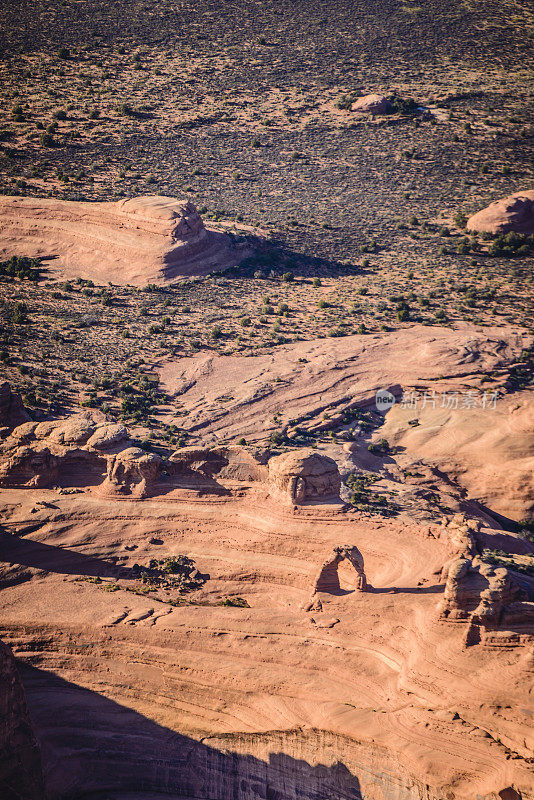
[29,553]
[93,747]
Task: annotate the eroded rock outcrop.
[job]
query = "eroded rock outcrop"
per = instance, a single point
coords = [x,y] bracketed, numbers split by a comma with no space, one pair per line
[12,411]
[136,241]
[229,463]
[512,214]
[20,758]
[68,452]
[327,579]
[302,475]
[479,592]
[132,472]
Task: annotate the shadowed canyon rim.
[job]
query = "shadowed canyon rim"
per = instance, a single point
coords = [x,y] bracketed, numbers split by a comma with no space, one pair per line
[266,407]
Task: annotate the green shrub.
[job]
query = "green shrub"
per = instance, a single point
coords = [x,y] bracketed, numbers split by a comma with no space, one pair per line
[19,314]
[460,219]
[47,140]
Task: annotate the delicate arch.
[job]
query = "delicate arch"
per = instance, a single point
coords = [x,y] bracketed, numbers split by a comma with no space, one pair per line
[328,579]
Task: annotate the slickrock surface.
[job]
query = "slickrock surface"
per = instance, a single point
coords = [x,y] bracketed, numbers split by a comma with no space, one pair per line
[368,694]
[318,650]
[279,391]
[147,239]
[335,373]
[490,452]
[514,213]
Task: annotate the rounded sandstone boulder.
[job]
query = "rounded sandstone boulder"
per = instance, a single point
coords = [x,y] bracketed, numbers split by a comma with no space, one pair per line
[512,214]
[372,104]
[302,475]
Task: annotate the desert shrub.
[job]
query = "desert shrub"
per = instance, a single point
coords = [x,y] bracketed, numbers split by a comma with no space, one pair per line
[406,106]
[126,110]
[287,277]
[19,313]
[460,219]
[511,244]
[344,103]
[526,529]
[237,602]
[21,267]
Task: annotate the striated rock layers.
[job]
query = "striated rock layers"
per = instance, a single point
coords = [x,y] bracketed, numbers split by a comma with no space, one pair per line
[514,213]
[302,475]
[20,759]
[148,239]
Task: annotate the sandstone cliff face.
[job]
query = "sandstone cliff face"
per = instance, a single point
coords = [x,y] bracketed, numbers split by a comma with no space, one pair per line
[124,752]
[20,759]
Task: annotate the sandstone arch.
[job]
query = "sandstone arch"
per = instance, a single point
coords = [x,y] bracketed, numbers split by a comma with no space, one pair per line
[328,579]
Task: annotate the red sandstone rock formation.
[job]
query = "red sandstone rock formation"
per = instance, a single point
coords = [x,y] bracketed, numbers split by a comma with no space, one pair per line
[328,579]
[301,475]
[480,592]
[372,104]
[136,241]
[514,213]
[132,472]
